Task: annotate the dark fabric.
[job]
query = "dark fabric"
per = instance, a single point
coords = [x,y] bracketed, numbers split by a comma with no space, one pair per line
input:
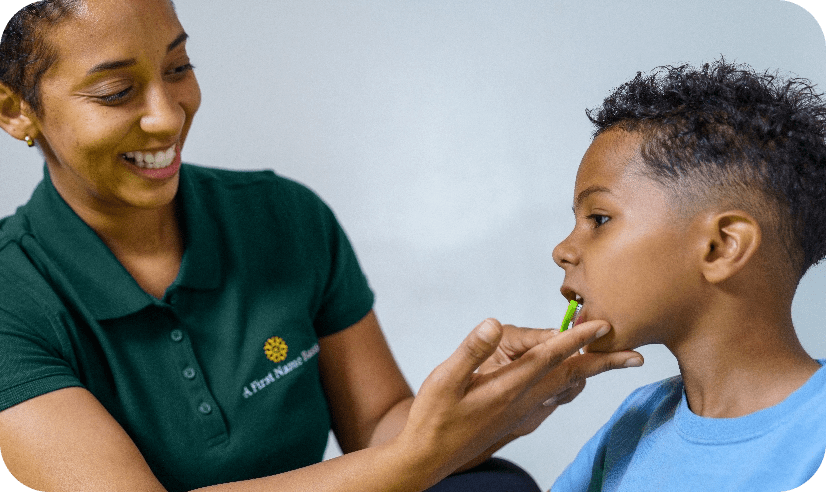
[218,381]
[494,475]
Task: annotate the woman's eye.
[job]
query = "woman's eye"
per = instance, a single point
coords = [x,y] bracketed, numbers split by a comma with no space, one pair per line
[182,69]
[116,98]
[598,219]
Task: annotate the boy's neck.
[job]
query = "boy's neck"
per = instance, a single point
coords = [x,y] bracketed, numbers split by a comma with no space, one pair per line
[750,360]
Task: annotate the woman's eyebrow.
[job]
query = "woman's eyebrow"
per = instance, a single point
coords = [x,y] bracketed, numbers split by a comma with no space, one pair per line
[113,65]
[180,39]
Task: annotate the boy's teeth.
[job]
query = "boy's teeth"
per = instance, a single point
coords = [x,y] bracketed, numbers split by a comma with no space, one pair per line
[152,160]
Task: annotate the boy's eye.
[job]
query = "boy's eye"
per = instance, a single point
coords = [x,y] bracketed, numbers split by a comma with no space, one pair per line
[598,219]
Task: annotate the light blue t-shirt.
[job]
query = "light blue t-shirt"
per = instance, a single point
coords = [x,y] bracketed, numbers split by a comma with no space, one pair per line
[655,443]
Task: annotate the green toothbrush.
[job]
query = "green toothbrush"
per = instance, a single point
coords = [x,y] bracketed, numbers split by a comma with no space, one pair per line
[570,315]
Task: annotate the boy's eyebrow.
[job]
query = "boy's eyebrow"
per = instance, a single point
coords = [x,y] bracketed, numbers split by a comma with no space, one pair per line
[112,65]
[588,192]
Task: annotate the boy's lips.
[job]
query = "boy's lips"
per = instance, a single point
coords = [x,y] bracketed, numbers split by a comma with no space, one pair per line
[572,295]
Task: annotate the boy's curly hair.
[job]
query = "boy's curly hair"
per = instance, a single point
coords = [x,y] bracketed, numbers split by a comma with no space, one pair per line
[726,134]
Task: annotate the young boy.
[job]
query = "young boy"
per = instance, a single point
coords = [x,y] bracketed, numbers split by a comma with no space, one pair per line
[699,205]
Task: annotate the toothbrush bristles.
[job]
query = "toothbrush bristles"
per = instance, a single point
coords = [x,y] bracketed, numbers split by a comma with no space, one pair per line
[576,314]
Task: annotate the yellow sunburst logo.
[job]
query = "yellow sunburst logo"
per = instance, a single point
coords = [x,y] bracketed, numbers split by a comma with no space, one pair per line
[276,349]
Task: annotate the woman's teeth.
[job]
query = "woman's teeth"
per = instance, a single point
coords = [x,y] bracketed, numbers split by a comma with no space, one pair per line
[152,160]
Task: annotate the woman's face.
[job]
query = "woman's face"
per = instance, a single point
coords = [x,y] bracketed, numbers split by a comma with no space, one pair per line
[117,105]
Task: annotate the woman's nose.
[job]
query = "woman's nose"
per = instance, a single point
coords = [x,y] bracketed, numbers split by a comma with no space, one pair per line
[164,116]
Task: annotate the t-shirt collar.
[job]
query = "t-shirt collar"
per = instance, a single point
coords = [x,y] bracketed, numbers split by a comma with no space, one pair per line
[729,430]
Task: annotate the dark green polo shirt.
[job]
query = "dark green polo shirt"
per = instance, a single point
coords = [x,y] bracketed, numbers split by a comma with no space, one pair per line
[216,382]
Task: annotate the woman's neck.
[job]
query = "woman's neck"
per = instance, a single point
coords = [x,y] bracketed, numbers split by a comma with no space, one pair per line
[147,242]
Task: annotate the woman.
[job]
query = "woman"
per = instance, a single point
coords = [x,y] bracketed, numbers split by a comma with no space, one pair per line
[168,327]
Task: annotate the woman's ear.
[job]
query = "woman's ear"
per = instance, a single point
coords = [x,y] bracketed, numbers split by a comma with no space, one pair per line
[16,116]
[731,238]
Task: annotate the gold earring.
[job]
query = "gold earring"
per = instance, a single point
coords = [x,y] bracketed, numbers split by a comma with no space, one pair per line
[29,141]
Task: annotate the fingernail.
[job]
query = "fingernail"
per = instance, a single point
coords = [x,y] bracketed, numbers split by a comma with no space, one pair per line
[488,331]
[602,331]
[550,401]
[633,362]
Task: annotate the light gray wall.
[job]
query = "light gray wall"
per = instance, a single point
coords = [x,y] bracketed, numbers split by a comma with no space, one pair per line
[446,136]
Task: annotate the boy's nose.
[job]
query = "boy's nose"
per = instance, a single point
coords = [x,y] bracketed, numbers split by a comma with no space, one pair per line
[564,254]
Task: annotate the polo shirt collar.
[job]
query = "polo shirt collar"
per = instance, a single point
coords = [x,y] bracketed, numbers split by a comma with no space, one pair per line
[98,279]
[201,265]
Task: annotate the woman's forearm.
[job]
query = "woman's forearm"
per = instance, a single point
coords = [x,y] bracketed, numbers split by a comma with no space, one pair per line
[389,466]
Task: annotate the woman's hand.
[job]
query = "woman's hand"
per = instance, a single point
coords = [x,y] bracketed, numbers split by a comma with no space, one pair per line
[494,386]
[517,341]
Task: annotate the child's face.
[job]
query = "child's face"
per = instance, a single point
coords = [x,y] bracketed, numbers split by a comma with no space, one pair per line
[628,254]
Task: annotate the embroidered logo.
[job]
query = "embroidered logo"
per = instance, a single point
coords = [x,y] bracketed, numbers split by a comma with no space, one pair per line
[276,349]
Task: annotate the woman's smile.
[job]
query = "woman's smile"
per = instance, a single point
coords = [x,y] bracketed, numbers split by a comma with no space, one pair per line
[117,106]
[160,164]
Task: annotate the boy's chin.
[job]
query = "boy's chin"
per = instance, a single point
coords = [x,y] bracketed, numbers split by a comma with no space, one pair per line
[608,343]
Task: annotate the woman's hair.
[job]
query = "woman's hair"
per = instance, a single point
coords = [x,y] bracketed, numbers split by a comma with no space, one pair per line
[724,134]
[25,55]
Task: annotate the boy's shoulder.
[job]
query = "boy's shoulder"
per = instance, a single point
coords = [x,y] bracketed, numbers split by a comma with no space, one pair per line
[654,442]
[651,399]
[652,405]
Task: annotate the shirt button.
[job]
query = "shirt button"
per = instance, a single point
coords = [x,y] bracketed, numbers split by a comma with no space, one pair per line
[205,408]
[189,373]
[176,335]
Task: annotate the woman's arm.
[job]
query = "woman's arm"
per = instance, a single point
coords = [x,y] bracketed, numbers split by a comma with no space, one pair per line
[66,441]
[369,398]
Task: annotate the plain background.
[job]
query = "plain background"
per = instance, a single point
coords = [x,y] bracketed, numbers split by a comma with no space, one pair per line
[446,136]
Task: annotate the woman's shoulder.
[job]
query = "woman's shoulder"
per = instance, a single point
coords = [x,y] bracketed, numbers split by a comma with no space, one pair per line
[253,196]
[23,287]
[232,179]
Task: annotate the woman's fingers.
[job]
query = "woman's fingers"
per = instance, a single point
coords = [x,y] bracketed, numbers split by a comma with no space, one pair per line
[516,341]
[566,396]
[566,381]
[475,349]
[460,413]
[550,368]
[562,345]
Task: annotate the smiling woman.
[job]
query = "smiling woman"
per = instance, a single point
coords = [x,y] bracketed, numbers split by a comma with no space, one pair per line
[128,87]
[176,327]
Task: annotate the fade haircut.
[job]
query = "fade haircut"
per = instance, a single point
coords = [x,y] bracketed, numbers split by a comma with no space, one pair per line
[724,134]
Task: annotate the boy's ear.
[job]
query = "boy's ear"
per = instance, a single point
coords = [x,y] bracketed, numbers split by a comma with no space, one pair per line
[732,238]
[16,116]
